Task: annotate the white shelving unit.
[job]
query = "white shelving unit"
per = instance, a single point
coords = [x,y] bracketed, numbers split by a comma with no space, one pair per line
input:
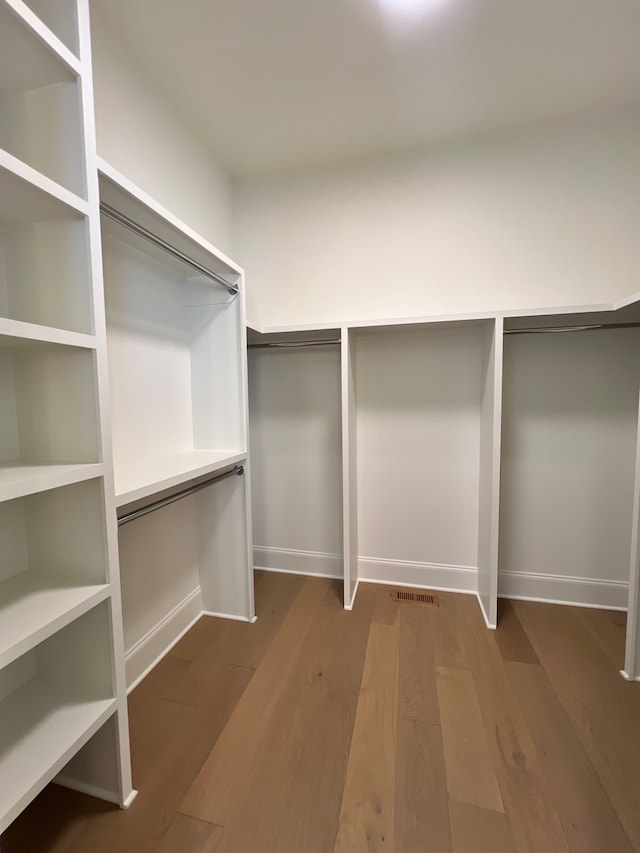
[176,346]
[425,419]
[62,699]
[451,480]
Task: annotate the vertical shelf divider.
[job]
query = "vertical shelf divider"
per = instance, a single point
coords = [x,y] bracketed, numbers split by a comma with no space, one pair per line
[490,441]
[349,468]
[631,669]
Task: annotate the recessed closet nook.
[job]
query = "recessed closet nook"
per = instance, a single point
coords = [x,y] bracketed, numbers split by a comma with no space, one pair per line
[493,454]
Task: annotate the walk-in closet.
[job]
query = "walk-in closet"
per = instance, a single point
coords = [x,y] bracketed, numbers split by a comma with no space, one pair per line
[319,427]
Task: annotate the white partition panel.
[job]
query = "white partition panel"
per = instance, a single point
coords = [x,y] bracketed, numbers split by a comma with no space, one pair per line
[349,468]
[489,507]
[632,655]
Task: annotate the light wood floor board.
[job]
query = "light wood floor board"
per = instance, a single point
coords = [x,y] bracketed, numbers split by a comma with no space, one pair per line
[191,836]
[511,636]
[471,776]
[260,808]
[318,730]
[587,816]
[367,815]
[421,804]
[312,820]
[417,694]
[215,791]
[475,830]
[604,709]
[529,805]
[447,640]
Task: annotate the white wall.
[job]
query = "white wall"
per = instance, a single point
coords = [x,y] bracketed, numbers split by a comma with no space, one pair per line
[543,218]
[143,135]
[569,434]
[418,431]
[296,474]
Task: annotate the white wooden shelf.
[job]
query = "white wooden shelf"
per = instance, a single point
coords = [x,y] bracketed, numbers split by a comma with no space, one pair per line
[26,195]
[123,195]
[42,725]
[16,480]
[134,482]
[34,605]
[16,333]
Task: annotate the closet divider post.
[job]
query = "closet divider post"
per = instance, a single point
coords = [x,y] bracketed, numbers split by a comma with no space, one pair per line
[490,441]
[631,669]
[349,468]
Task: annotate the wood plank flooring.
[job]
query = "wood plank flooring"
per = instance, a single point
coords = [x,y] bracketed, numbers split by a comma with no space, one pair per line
[393,728]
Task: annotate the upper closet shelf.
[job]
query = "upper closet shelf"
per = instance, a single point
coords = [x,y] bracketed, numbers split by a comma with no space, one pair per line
[27,195]
[16,333]
[31,56]
[135,482]
[18,480]
[148,226]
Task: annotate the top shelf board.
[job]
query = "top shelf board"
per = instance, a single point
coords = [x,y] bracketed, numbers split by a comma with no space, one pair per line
[132,202]
[628,314]
[28,58]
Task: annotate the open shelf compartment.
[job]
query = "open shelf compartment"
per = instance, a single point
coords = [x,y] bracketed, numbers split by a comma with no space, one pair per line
[52,700]
[48,406]
[176,365]
[44,252]
[40,104]
[52,564]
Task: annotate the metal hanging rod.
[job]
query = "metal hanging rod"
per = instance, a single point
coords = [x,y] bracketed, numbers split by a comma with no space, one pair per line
[121,219]
[293,344]
[593,327]
[237,471]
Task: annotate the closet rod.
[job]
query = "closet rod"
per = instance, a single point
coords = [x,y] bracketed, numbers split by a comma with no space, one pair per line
[592,327]
[238,470]
[292,344]
[121,219]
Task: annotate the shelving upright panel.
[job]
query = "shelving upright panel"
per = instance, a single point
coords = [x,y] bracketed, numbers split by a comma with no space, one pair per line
[63,708]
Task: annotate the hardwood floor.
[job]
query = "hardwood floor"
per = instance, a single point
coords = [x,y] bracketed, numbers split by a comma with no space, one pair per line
[392,728]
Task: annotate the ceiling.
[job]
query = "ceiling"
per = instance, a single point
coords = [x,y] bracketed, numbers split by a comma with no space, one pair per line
[292,83]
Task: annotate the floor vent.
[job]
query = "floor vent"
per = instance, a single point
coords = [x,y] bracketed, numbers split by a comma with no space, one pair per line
[403,596]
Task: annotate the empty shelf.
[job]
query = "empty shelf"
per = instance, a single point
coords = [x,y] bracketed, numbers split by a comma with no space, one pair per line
[35,605]
[42,726]
[134,482]
[17,480]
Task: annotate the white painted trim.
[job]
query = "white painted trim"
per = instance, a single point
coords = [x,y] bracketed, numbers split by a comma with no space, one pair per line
[353,597]
[144,655]
[560,589]
[312,563]
[421,575]
[491,625]
[302,574]
[628,677]
[95,791]
[231,616]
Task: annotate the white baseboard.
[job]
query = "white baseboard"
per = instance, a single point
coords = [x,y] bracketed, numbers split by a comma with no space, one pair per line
[349,606]
[428,575]
[491,625]
[95,791]
[558,589]
[311,563]
[141,658]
